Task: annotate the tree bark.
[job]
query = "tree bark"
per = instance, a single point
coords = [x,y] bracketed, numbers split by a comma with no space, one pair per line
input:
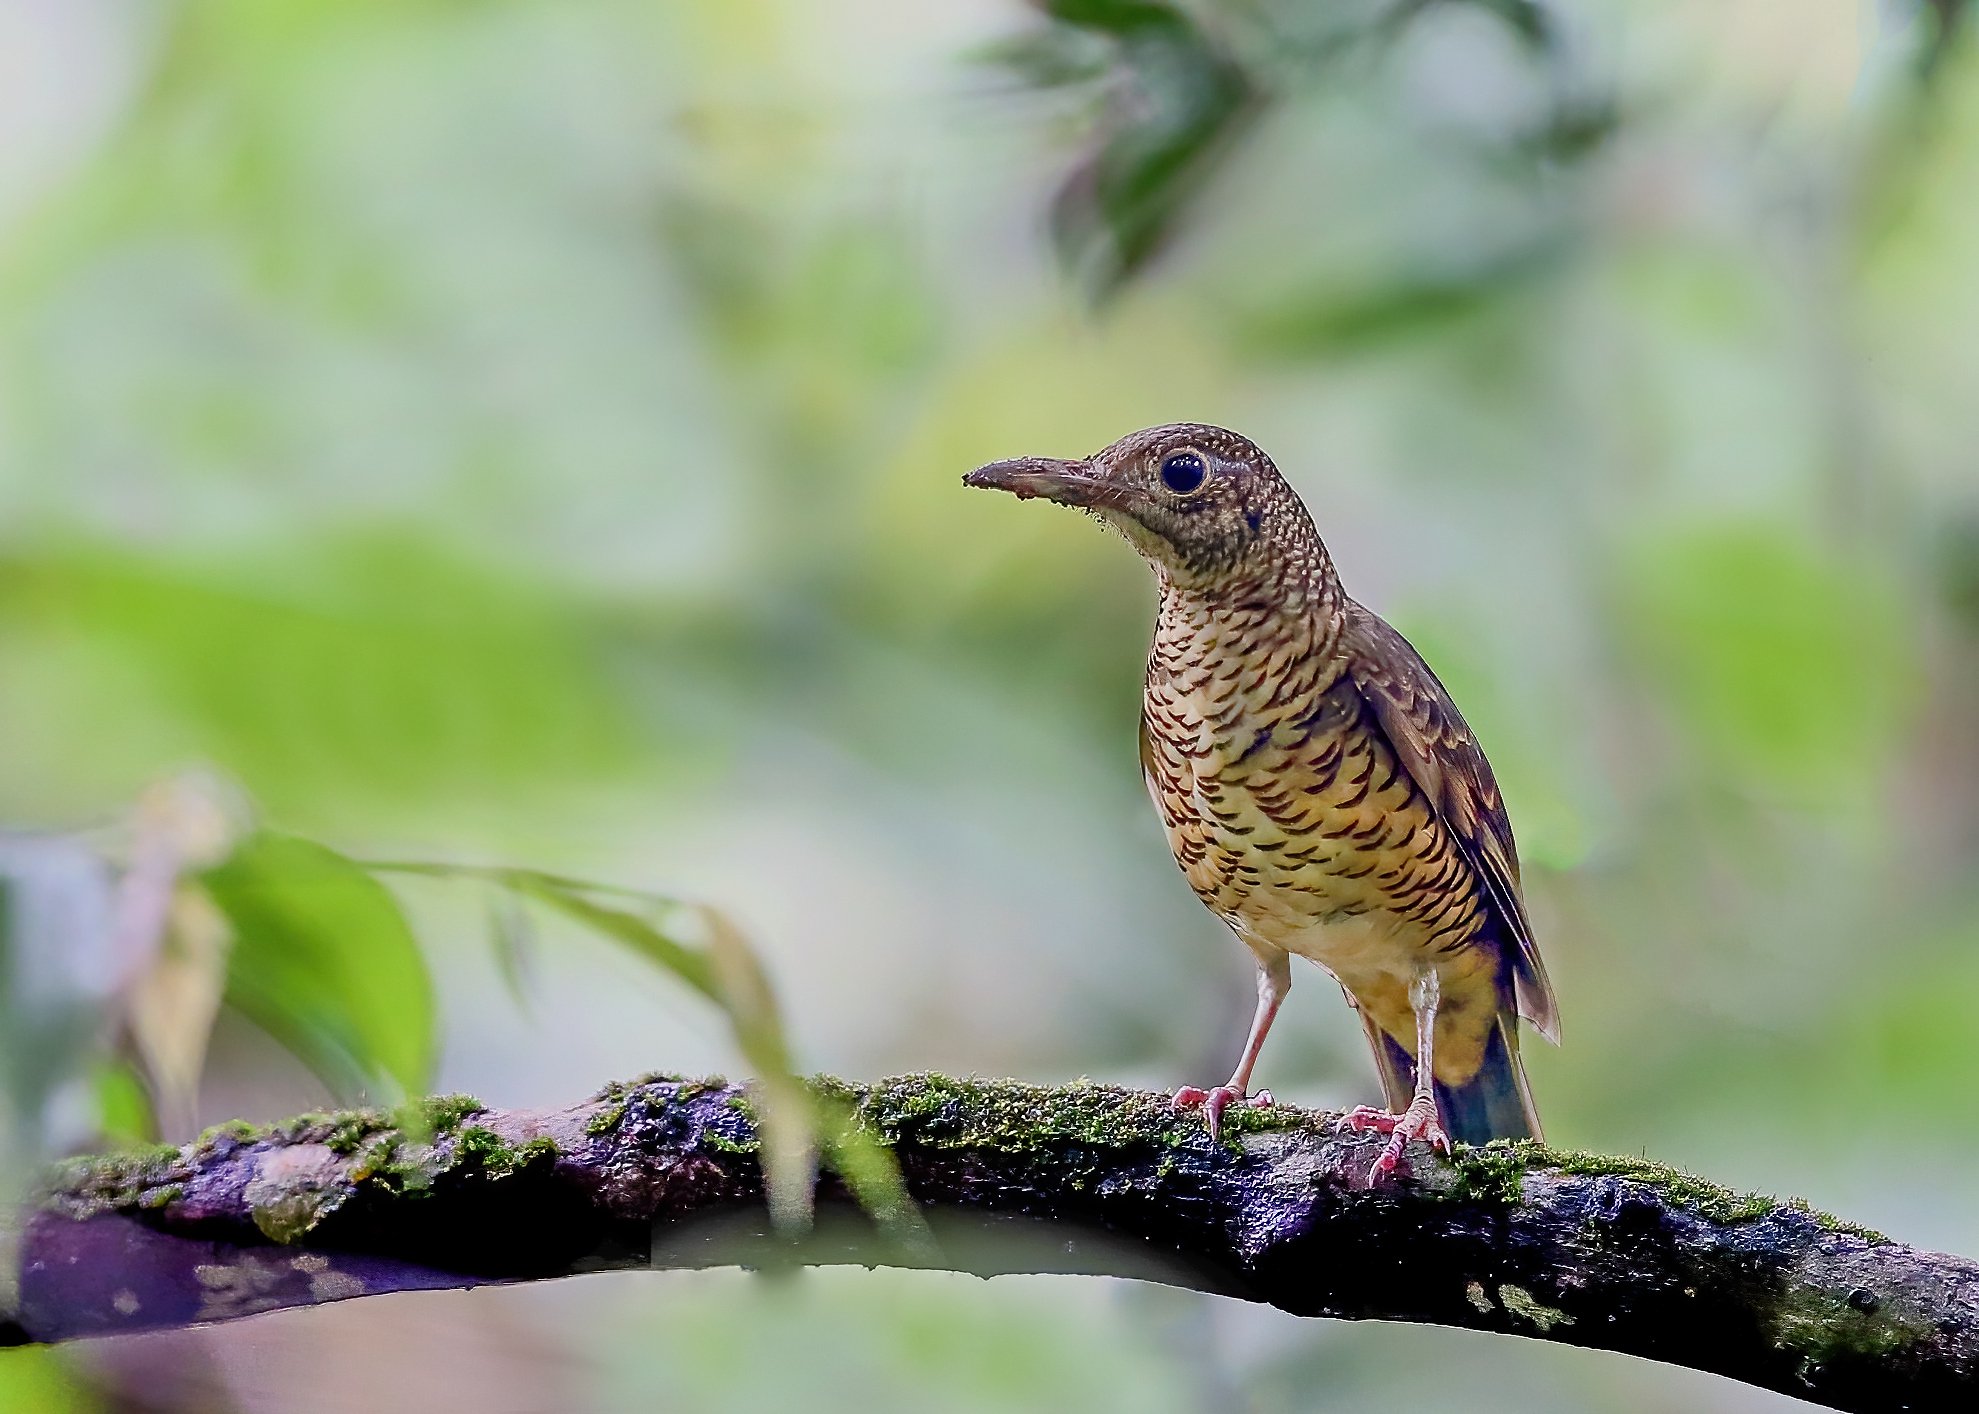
[1617,1254]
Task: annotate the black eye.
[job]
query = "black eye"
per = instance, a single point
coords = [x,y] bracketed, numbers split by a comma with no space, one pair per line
[1182,472]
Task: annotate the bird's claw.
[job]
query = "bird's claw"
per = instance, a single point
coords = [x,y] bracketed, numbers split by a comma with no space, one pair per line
[1215,1101]
[1418,1121]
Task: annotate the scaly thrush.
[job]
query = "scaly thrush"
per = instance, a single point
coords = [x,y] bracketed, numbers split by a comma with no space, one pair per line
[1320,790]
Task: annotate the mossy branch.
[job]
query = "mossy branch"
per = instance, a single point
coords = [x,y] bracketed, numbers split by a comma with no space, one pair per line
[1617,1254]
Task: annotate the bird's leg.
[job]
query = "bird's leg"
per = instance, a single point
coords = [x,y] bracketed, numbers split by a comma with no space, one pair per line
[1274,980]
[1419,1120]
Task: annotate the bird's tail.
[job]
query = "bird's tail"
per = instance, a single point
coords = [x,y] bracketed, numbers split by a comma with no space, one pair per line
[1495,1103]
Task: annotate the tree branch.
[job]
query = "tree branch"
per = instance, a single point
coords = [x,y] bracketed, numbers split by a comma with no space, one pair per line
[1612,1253]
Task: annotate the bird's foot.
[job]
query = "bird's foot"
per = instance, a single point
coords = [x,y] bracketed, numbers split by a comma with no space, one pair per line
[1216,1100]
[1418,1121]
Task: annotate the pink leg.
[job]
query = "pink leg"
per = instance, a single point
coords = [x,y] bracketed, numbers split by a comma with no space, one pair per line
[1419,1120]
[1274,980]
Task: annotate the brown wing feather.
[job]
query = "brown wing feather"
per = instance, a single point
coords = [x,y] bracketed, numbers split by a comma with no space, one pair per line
[1434,742]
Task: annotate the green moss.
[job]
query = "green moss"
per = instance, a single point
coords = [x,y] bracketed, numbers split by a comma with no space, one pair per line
[940,1112]
[608,1118]
[495,1156]
[1492,1173]
[161,1196]
[291,1215]
[375,1158]
[438,1114]
[722,1144]
[1828,1222]
[234,1131]
[1495,1172]
[147,1177]
[1820,1326]
[614,1099]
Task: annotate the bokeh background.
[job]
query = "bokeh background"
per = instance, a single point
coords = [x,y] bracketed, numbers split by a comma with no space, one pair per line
[530,431]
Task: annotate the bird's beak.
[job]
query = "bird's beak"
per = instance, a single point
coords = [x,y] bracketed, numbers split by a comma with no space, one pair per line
[1068,483]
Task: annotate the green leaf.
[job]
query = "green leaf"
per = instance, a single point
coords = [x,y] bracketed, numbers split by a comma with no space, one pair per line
[514,944]
[124,1114]
[685,961]
[323,961]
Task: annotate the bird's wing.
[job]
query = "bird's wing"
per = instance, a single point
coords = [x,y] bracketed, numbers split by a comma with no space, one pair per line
[1431,738]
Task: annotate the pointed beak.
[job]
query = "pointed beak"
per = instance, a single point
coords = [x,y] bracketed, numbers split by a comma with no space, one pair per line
[1066,482]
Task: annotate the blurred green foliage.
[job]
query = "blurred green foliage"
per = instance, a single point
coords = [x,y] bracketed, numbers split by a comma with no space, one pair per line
[322,958]
[528,430]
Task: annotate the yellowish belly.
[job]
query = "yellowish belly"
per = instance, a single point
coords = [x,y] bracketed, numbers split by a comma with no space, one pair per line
[1324,848]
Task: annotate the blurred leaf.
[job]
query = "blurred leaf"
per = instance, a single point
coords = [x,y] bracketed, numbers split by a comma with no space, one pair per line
[123,1108]
[784,1111]
[1958,567]
[1174,99]
[869,1171]
[1529,21]
[683,961]
[58,975]
[1795,667]
[514,943]
[323,961]
[1051,56]
[170,1006]
[1945,23]
[379,665]
[795,1121]
[36,1380]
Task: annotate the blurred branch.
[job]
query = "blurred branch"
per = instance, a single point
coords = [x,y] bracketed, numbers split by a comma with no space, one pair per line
[1618,1254]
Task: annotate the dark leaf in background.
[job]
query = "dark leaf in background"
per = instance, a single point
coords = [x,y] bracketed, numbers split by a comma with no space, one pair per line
[324,962]
[1174,100]
[1945,23]
[1530,22]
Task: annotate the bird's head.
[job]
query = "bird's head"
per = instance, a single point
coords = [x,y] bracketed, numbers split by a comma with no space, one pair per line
[1202,504]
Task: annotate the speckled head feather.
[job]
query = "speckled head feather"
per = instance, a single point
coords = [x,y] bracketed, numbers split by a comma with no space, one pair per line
[1203,504]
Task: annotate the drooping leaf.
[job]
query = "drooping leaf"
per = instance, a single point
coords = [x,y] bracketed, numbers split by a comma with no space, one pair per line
[514,942]
[684,961]
[1175,88]
[784,1112]
[57,980]
[324,962]
[124,1112]
[1176,101]
[796,1121]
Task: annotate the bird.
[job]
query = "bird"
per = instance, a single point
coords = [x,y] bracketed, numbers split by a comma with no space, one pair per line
[1319,789]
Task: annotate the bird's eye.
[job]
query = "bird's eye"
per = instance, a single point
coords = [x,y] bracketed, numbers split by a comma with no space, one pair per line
[1182,472]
